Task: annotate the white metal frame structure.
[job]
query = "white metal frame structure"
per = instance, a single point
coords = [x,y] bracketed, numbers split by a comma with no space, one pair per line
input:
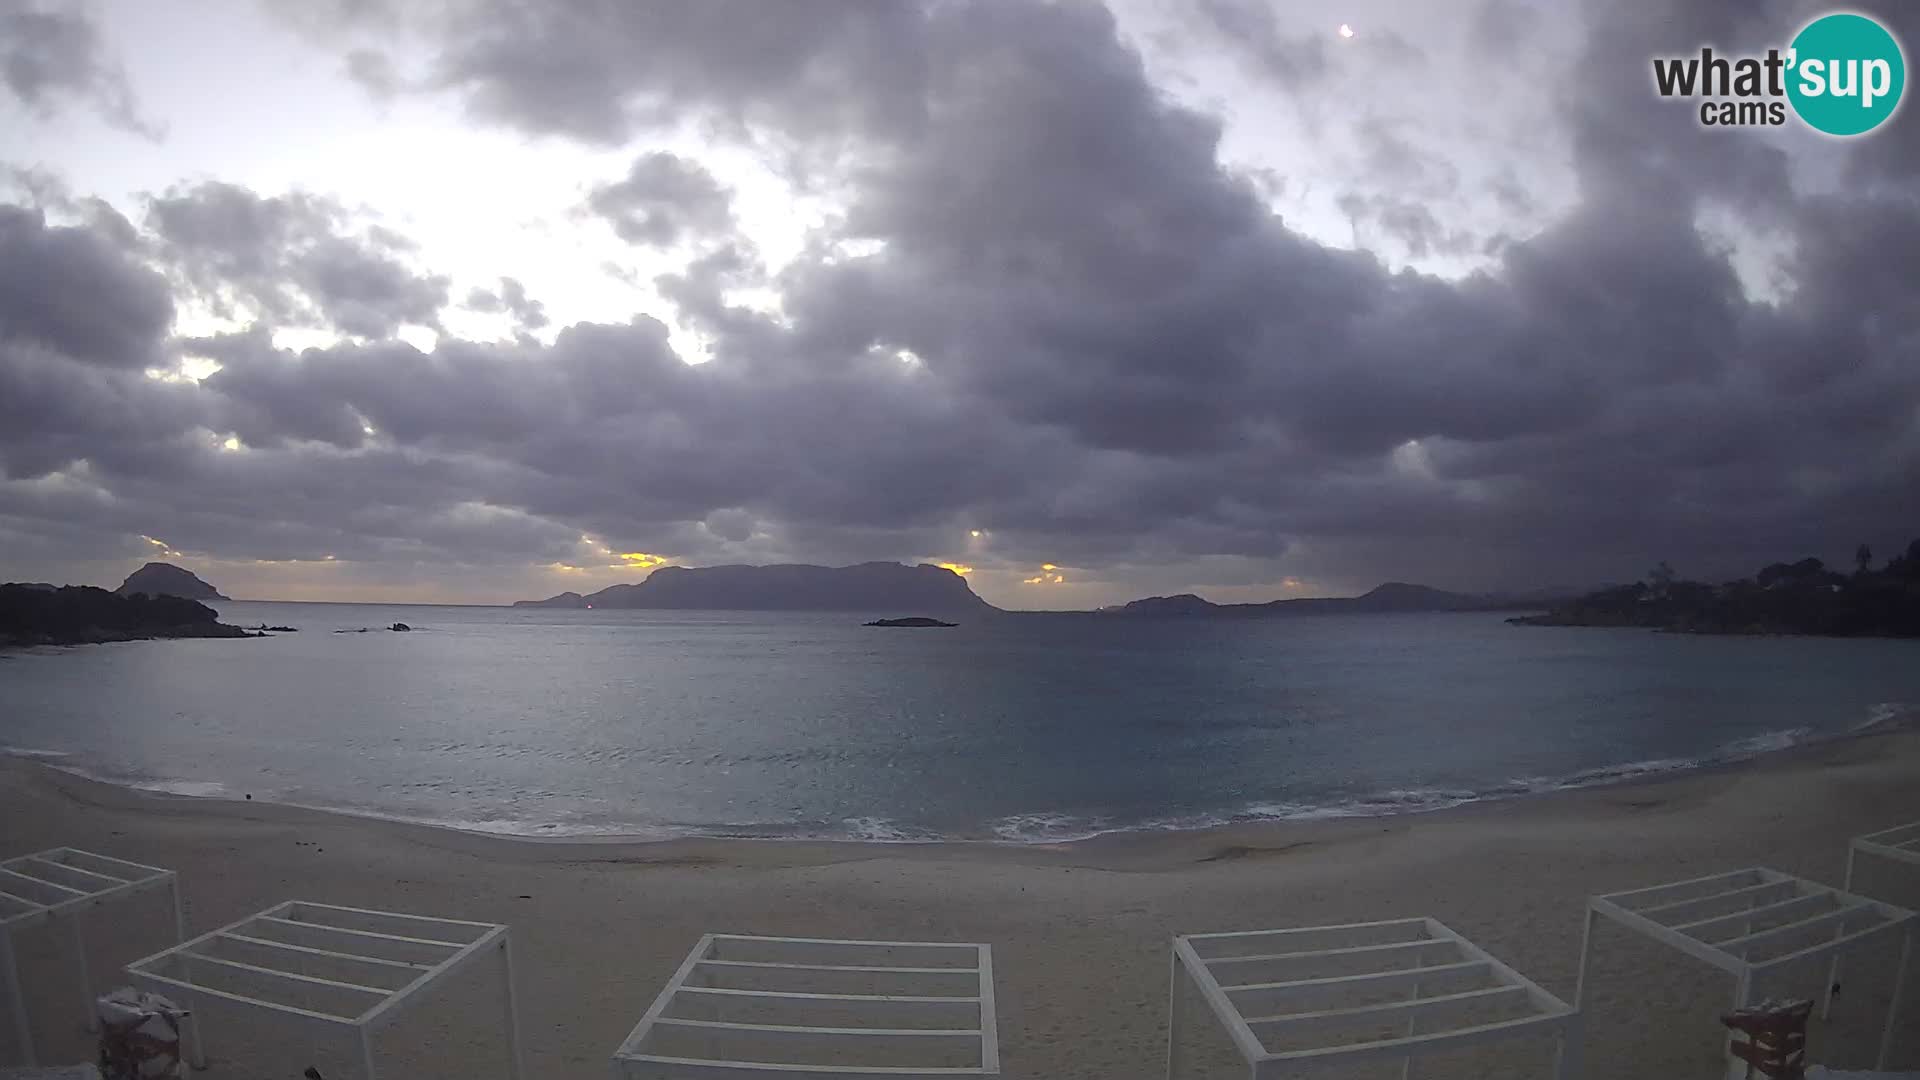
[779,1008]
[1900,844]
[1751,923]
[62,883]
[1264,986]
[350,970]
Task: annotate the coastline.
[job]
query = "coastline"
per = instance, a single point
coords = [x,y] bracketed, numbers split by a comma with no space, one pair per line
[1079,929]
[1034,828]
[1110,849]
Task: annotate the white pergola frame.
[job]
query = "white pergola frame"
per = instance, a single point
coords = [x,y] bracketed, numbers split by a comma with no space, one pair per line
[1407,964]
[62,883]
[389,946]
[1690,915]
[916,969]
[1899,844]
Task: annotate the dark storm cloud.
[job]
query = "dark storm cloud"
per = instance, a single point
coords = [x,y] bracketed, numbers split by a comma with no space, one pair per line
[297,260]
[602,71]
[79,292]
[1073,329]
[661,199]
[52,55]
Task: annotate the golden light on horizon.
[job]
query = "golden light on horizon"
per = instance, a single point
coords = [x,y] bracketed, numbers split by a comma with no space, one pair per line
[166,549]
[1049,575]
[643,560]
[975,533]
[958,568]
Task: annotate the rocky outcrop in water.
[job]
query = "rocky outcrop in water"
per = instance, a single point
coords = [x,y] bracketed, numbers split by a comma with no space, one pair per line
[166,579]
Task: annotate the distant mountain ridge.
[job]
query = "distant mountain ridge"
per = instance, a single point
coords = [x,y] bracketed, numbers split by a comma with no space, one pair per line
[166,579]
[865,587]
[1390,597]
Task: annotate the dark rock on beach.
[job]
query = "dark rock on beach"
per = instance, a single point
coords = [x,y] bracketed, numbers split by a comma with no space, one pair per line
[918,620]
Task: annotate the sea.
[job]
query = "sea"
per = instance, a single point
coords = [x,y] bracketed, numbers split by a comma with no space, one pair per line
[1024,728]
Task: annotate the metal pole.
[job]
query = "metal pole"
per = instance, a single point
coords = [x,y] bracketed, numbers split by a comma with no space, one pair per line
[86,975]
[22,1028]
[513,1007]
[1173,1014]
[1406,1063]
[1899,992]
[1742,988]
[366,1053]
[179,912]
[1586,951]
[1833,969]
[1566,1053]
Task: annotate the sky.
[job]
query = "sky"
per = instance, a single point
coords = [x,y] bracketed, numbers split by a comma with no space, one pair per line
[471,301]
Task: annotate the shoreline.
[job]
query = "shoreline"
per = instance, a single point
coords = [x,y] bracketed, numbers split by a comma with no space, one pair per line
[1118,843]
[1398,805]
[1079,930]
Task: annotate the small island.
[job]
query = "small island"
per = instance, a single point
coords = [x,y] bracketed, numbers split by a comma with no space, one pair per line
[1804,597]
[166,579]
[917,620]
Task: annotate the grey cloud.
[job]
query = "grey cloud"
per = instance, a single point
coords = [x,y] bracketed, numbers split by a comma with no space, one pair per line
[79,292]
[54,56]
[663,198]
[1251,30]
[511,299]
[374,72]
[297,259]
[603,71]
[1125,363]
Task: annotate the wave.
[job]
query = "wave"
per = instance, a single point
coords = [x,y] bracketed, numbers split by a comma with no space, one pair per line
[1053,828]
[1057,827]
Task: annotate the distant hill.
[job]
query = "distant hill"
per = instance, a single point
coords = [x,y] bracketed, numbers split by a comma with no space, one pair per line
[867,587]
[1393,596]
[166,579]
[1784,598]
[83,615]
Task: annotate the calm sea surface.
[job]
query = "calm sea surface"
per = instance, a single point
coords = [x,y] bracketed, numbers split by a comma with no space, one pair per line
[1019,728]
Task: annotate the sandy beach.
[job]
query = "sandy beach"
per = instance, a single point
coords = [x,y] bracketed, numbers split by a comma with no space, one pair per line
[1080,931]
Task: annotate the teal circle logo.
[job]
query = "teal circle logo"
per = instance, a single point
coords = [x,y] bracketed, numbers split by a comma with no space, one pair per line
[1847,74]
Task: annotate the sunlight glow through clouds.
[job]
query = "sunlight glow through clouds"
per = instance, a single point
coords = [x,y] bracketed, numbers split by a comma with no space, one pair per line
[1049,575]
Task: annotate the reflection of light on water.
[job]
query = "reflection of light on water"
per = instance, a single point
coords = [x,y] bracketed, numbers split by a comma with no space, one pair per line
[1346,31]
